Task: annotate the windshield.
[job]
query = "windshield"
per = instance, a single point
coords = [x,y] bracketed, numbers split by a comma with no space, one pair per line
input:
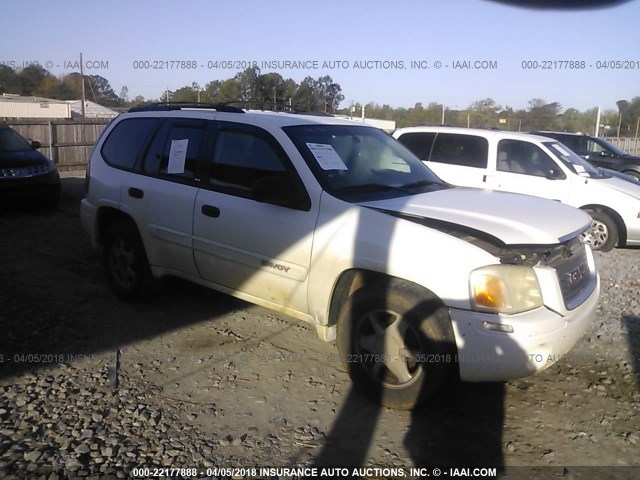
[10,141]
[573,161]
[610,146]
[361,161]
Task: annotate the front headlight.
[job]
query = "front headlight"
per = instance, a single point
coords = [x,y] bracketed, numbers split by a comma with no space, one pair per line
[504,289]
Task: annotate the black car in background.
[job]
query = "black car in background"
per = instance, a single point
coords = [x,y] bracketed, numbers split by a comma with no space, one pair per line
[598,152]
[26,175]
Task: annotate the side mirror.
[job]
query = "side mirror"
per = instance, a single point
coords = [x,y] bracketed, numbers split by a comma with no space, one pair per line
[35,144]
[283,191]
[554,174]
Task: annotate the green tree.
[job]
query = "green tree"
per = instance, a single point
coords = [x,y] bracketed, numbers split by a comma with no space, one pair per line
[30,78]
[328,94]
[249,85]
[187,94]
[229,91]
[305,98]
[71,87]
[270,85]
[124,94]
[484,113]
[542,115]
[9,80]
[50,87]
[101,91]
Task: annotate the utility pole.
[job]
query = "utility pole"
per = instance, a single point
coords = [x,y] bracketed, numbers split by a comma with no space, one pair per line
[82,85]
[442,114]
[619,124]
[597,130]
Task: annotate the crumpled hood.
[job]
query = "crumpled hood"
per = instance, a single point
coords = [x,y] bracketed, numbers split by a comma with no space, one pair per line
[512,218]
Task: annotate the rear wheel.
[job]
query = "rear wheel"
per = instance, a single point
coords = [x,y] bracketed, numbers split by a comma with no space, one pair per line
[397,344]
[633,174]
[125,262]
[603,233]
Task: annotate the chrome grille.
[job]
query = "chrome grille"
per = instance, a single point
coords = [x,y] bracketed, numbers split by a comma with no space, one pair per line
[18,172]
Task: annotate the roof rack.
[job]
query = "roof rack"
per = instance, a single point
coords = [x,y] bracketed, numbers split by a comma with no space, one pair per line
[164,106]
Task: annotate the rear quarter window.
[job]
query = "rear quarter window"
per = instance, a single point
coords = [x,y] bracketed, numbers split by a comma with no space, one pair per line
[126,142]
[419,143]
[463,150]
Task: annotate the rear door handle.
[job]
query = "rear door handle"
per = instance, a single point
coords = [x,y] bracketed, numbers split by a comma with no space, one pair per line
[210,211]
[136,193]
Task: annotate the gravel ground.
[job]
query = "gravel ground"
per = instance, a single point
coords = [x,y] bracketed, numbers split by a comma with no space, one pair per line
[93,387]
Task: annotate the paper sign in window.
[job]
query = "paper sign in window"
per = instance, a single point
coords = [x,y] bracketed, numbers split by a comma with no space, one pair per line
[326,156]
[177,156]
[562,151]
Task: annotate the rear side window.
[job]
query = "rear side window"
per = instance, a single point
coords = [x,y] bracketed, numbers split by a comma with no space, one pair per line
[463,150]
[419,143]
[570,141]
[127,141]
[175,150]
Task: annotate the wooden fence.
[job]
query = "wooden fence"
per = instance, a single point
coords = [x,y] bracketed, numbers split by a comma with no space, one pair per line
[627,144]
[67,142]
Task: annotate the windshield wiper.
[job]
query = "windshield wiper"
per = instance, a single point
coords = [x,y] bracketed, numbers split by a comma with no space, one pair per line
[421,183]
[365,187]
[408,188]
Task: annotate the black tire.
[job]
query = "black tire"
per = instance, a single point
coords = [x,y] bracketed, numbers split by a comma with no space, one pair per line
[397,343]
[603,232]
[125,263]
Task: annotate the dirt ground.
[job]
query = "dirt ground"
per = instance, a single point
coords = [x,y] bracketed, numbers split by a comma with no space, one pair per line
[195,378]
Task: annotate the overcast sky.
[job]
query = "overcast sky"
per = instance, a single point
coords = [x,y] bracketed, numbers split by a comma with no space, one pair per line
[117,36]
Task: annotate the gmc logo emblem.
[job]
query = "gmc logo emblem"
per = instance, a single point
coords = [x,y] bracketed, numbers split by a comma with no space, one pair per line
[576,275]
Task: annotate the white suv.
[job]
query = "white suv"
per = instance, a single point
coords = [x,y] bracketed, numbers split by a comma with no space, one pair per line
[533,165]
[336,223]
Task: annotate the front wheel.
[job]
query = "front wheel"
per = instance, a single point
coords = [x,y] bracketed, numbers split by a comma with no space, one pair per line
[397,344]
[602,235]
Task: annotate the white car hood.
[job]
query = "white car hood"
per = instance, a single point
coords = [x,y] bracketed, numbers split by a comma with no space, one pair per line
[512,218]
[619,184]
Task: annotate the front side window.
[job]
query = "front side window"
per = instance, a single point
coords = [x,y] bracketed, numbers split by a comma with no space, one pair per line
[361,163]
[593,147]
[463,150]
[515,156]
[243,157]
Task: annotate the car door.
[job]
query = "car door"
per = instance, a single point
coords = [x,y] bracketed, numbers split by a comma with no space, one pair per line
[597,154]
[259,248]
[162,193]
[460,159]
[524,167]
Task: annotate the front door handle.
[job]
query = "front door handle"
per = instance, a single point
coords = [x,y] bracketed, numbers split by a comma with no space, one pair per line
[210,211]
[136,193]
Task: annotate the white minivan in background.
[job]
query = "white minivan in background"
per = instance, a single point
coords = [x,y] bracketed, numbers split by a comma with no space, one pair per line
[532,165]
